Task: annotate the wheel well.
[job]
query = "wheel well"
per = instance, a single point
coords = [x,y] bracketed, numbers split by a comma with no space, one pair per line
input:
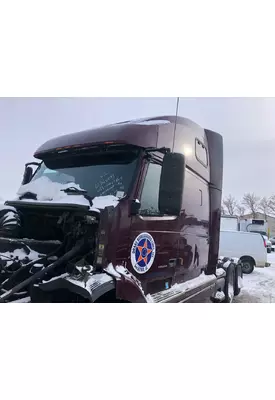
[248,258]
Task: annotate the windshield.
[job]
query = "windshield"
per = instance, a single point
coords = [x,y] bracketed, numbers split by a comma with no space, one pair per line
[104,177]
[260,232]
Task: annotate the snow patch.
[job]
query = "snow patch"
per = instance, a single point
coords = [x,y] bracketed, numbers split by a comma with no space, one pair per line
[48,191]
[231,291]
[219,296]
[111,270]
[146,122]
[56,277]
[21,254]
[240,282]
[120,270]
[194,283]
[154,122]
[181,288]
[220,272]
[149,298]
[89,283]
[24,300]
[99,203]
[124,271]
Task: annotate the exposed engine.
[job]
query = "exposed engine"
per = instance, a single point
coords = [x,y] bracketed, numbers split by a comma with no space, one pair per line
[40,243]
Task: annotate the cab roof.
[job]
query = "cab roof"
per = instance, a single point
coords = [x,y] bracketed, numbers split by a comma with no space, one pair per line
[140,132]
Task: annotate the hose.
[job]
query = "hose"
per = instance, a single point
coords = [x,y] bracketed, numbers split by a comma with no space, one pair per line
[29,265]
[65,258]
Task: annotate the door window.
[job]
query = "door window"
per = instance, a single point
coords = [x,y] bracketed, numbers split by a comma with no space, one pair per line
[150,192]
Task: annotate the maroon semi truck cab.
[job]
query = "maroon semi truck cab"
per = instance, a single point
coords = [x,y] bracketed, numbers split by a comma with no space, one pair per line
[127,212]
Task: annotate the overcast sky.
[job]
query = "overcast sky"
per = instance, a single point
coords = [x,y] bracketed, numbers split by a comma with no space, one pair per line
[247,125]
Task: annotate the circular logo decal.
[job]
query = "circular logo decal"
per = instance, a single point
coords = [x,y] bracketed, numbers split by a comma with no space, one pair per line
[143,253]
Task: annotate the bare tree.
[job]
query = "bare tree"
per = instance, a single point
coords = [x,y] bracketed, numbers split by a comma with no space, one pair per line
[240,210]
[272,204]
[265,206]
[222,210]
[230,203]
[251,202]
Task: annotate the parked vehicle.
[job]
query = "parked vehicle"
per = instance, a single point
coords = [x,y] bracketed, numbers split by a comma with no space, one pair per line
[229,223]
[272,240]
[128,212]
[267,244]
[248,247]
[254,225]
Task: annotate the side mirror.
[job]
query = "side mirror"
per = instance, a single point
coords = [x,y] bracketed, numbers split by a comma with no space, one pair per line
[171,184]
[28,173]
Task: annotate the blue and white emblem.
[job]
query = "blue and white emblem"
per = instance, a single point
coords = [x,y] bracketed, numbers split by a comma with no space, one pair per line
[143,253]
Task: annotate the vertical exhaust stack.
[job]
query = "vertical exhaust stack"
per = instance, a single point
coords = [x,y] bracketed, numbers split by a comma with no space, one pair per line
[215,148]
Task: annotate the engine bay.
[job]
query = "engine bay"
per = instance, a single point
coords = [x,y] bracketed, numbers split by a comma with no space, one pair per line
[39,243]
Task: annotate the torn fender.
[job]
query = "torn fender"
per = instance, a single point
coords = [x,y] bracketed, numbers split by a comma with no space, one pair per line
[128,287]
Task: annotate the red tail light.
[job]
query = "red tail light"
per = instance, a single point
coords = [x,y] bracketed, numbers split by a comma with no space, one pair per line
[264,242]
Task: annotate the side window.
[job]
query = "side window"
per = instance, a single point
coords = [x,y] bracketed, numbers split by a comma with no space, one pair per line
[201,153]
[150,192]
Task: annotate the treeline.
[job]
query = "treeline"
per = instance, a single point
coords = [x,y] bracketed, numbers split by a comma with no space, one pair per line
[249,204]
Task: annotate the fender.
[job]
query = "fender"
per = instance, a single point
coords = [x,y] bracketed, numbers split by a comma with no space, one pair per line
[89,286]
[92,286]
[128,287]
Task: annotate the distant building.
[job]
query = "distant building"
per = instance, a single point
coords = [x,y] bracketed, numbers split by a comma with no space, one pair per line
[270,220]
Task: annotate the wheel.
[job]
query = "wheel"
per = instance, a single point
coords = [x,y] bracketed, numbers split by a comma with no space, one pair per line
[238,279]
[269,250]
[229,286]
[247,266]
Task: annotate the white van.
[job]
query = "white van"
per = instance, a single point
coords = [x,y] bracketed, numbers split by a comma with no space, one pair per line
[248,247]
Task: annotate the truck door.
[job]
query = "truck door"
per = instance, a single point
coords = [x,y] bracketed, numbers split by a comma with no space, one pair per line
[153,238]
[194,233]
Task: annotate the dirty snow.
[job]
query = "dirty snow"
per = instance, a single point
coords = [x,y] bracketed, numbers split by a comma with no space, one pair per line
[46,191]
[259,287]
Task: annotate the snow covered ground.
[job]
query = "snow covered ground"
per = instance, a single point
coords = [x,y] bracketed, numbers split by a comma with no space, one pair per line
[259,287]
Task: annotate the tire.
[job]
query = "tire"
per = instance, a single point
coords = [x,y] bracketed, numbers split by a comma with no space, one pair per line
[238,273]
[247,266]
[269,250]
[229,286]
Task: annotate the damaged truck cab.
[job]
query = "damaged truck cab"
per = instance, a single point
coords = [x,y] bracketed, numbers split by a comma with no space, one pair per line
[128,212]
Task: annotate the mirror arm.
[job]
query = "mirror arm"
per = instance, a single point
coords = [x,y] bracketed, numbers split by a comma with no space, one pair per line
[32,163]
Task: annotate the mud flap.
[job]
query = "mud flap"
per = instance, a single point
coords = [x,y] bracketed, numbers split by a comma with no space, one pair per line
[229,284]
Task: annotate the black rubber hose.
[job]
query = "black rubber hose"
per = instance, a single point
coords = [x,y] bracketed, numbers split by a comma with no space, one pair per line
[65,258]
[29,265]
